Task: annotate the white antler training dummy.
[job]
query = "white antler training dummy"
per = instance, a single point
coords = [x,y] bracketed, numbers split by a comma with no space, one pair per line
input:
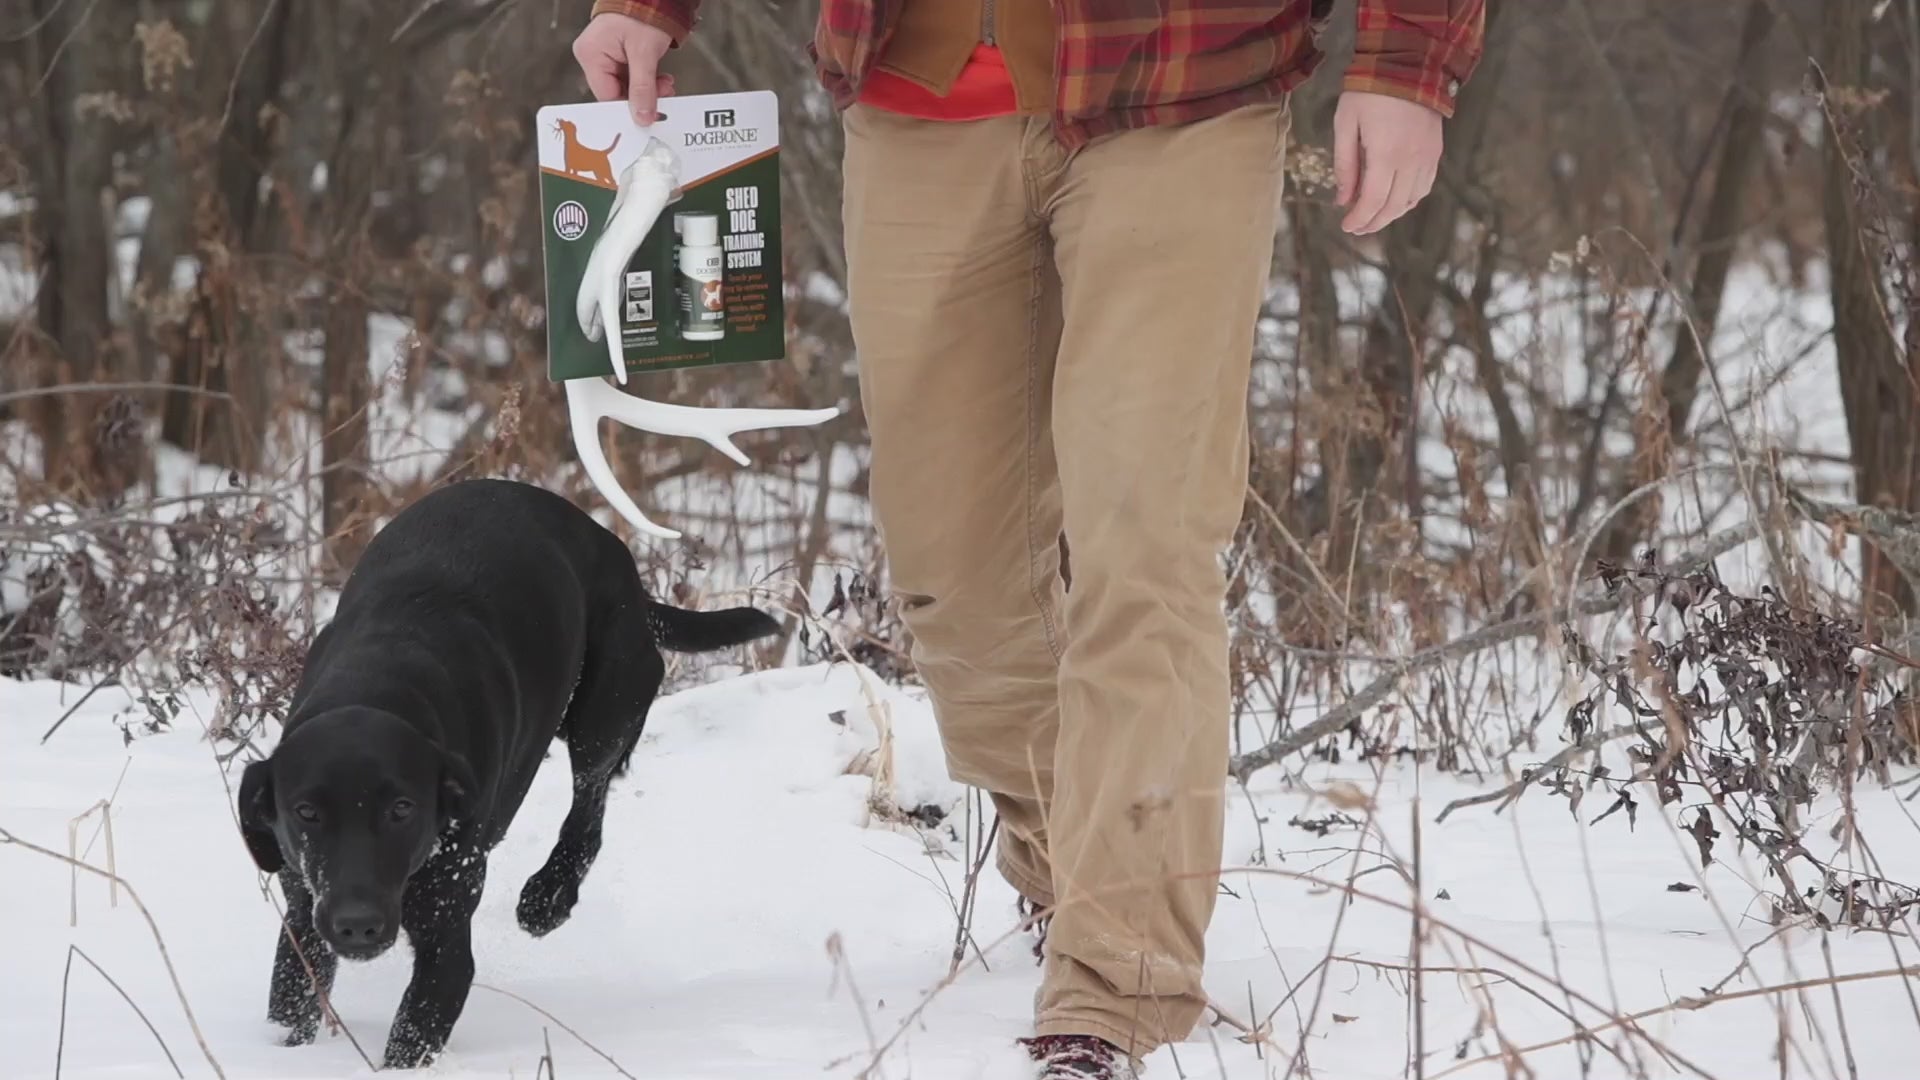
[647,185]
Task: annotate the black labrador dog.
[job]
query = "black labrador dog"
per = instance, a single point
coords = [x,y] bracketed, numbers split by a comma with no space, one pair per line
[486,620]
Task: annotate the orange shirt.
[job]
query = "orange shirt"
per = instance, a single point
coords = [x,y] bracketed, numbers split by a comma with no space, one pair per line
[983,89]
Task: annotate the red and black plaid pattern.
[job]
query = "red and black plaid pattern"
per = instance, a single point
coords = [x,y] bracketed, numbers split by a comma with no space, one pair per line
[1418,49]
[1132,63]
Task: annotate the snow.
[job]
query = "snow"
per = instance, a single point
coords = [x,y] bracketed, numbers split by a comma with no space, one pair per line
[736,847]
[17,282]
[740,846]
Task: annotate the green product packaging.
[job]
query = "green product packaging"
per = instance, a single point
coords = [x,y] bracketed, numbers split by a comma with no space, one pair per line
[705,286]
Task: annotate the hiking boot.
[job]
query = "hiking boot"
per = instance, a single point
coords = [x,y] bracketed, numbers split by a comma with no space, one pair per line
[1036,924]
[1079,1057]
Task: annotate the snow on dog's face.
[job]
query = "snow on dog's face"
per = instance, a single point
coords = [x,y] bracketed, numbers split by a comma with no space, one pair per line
[354,801]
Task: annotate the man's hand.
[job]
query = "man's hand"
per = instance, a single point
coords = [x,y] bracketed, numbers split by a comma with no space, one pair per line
[1386,152]
[620,56]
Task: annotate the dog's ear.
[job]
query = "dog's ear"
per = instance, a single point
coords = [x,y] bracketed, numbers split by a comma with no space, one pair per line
[256,817]
[456,788]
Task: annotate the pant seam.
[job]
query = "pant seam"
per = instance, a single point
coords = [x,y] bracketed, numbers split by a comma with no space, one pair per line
[1036,586]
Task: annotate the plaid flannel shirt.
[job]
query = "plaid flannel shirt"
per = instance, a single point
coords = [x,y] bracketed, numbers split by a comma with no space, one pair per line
[1130,64]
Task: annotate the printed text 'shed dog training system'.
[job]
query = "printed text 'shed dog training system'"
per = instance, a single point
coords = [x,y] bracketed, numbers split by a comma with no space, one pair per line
[488,619]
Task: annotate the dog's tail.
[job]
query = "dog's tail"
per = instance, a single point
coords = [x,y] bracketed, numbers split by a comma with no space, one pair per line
[614,143]
[682,630]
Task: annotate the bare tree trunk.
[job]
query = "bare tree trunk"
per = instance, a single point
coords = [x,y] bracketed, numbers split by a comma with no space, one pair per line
[1740,146]
[162,242]
[233,359]
[76,47]
[345,391]
[356,68]
[1516,449]
[1720,232]
[344,396]
[1877,384]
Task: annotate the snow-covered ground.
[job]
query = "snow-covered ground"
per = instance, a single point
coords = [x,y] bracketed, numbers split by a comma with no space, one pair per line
[740,847]
[748,917]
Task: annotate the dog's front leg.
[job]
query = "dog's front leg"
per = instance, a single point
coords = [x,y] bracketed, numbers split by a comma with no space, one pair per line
[303,966]
[437,915]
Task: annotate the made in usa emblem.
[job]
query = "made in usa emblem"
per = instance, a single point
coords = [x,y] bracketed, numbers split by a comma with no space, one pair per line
[570,220]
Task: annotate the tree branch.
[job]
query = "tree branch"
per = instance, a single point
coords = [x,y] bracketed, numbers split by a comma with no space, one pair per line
[1340,716]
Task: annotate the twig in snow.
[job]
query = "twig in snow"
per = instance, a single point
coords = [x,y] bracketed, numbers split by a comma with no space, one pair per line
[837,950]
[562,1025]
[1692,1004]
[1483,973]
[159,942]
[1337,718]
[970,893]
[60,1047]
[105,810]
[544,1067]
[1511,793]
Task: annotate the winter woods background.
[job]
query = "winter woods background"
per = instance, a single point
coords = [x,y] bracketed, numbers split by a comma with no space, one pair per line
[1607,449]
[297,244]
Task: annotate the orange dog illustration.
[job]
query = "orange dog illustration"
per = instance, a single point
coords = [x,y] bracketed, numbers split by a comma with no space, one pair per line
[710,295]
[584,160]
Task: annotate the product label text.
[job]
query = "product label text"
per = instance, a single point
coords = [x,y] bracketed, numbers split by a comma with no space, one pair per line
[744,240]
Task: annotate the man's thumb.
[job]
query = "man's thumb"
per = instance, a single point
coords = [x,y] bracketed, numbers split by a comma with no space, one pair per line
[642,88]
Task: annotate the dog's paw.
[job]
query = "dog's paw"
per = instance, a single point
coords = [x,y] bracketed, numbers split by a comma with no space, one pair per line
[408,1055]
[300,1029]
[547,902]
[300,1018]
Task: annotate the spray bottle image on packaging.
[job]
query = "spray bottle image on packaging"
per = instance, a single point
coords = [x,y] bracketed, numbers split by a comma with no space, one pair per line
[701,278]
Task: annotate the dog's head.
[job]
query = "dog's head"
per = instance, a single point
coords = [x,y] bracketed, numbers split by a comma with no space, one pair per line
[354,800]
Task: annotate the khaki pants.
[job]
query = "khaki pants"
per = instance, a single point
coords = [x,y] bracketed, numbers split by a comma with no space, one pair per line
[1059,341]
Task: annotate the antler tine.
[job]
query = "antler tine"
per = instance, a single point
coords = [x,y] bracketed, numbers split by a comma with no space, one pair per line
[715,427]
[584,410]
[589,400]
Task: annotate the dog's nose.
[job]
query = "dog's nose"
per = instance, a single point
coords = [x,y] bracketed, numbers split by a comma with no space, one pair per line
[359,925]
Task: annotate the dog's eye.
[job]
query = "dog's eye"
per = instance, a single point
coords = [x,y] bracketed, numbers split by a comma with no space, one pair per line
[307,813]
[402,809]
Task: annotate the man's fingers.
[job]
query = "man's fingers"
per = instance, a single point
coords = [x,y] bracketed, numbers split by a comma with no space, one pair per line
[1376,185]
[1399,200]
[609,80]
[602,70]
[620,57]
[1418,188]
[1398,181]
[604,82]
[1346,155]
